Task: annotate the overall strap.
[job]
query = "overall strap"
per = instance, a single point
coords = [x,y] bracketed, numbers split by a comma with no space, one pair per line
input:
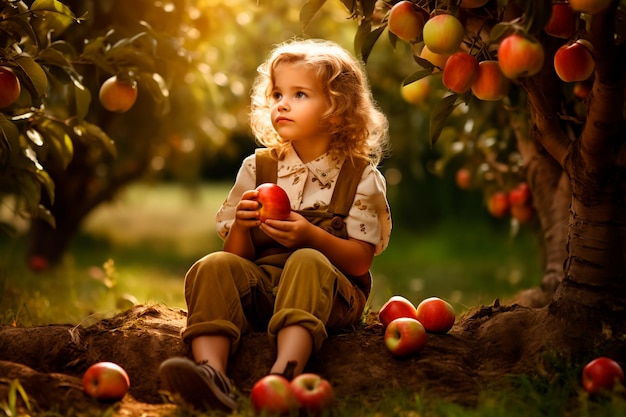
[347,182]
[266,166]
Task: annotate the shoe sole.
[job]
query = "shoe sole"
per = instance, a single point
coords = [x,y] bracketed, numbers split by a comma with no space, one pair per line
[179,376]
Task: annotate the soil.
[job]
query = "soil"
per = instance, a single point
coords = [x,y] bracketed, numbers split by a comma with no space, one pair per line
[49,361]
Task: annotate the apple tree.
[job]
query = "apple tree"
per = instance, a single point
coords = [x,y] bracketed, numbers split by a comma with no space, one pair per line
[531,107]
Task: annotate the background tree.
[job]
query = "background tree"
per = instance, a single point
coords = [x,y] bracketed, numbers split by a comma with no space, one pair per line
[560,133]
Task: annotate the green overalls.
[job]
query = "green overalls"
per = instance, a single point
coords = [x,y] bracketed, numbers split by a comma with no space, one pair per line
[227,294]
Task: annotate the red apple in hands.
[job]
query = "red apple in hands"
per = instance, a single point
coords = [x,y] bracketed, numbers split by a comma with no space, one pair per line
[574,62]
[106,381]
[520,57]
[436,315]
[490,83]
[602,374]
[405,336]
[460,72]
[562,21]
[273,202]
[273,394]
[406,20]
[396,307]
[314,393]
[443,34]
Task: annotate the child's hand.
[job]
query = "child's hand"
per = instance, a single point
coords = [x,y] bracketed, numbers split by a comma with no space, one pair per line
[292,233]
[247,214]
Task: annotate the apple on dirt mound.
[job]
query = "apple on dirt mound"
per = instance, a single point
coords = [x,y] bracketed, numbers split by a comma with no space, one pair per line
[436,315]
[602,374]
[404,337]
[273,394]
[314,393]
[106,381]
[273,202]
[396,307]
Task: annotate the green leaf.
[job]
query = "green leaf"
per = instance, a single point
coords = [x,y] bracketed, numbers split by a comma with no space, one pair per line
[51,56]
[309,10]
[370,41]
[10,135]
[418,75]
[51,16]
[47,182]
[440,115]
[36,75]
[95,132]
[82,98]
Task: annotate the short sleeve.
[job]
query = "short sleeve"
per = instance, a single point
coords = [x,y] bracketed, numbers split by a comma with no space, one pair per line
[246,180]
[370,217]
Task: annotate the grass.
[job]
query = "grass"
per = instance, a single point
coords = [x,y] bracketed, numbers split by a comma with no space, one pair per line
[138,248]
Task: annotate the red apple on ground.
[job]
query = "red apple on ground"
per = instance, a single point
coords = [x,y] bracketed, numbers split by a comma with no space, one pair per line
[116,95]
[10,87]
[436,315]
[520,57]
[498,204]
[106,381]
[406,20]
[405,336]
[460,72]
[490,83]
[416,92]
[574,62]
[590,6]
[438,60]
[273,202]
[443,34]
[396,307]
[273,394]
[314,393]
[562,23]
[602,374]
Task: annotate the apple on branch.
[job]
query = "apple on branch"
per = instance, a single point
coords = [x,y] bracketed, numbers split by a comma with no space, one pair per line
[602,374]
[443,34]
[273,394]
[574,62]
[498,204]
[396,307]
[460,72]
[520,56]
[436,315]
[273,202]
[10,87]
[404,337]
[106,381]
[562,23]
[314,393]
[590,6]
[406,20]
[438,60]
[116,95]
[490,83]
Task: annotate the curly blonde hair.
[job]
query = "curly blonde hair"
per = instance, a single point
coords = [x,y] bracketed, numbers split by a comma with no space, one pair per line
[359,129]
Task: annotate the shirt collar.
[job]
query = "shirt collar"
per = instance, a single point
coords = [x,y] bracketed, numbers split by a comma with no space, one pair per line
[325,168]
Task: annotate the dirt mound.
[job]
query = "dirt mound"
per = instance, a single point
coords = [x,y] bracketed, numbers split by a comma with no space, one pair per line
[49,361]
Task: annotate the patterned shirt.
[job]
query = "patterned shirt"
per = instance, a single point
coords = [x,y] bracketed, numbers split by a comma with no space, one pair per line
[310,186]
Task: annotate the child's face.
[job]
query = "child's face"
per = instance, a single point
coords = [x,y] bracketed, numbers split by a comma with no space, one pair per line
[298,102]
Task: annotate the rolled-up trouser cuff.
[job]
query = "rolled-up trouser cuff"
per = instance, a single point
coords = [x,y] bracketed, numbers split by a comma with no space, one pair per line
[215,327]
[292,316]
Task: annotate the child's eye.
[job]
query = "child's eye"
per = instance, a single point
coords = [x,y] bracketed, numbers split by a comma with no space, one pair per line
[300,94]
[276,96]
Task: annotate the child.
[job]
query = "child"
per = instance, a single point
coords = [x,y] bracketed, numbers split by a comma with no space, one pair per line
[323,137]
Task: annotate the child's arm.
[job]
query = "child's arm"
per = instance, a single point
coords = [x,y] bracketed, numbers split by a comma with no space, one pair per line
[353,257]
[238,239]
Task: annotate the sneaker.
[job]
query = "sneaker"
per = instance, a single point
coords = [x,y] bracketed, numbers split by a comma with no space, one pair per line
[198,384]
